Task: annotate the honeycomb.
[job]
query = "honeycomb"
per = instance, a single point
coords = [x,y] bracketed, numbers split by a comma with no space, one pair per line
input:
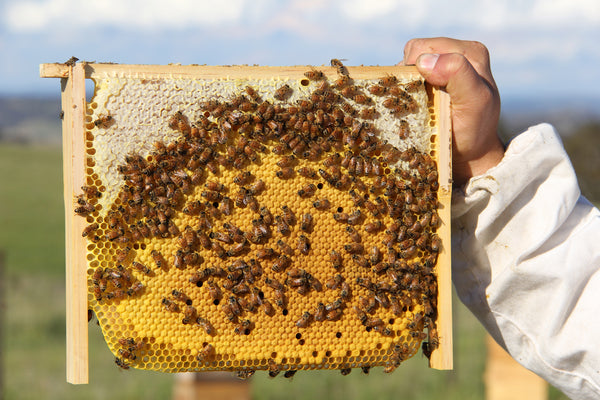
[262,223]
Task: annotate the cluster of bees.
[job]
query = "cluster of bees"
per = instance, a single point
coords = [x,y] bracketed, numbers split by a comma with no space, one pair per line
[328,139]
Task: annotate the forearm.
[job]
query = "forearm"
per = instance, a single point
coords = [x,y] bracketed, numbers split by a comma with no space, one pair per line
[526,261]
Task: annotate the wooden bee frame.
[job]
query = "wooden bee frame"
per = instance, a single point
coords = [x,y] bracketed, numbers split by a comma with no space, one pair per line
[74,107]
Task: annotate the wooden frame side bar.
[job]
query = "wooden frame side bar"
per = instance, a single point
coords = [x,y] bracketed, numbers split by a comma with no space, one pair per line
[442,357]
[73,104]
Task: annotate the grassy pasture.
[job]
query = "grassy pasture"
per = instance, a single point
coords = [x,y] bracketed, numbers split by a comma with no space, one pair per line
[33,316]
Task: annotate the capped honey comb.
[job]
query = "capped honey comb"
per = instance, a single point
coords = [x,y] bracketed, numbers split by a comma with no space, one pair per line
[260,221]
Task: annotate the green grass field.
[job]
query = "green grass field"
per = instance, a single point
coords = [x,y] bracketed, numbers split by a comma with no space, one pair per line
[33,291]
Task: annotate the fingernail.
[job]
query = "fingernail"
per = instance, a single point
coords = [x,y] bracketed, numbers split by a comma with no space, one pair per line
[427,61]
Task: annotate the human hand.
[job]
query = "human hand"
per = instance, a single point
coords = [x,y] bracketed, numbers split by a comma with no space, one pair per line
[462,69]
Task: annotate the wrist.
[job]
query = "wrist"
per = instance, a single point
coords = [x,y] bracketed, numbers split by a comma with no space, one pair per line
[462,171]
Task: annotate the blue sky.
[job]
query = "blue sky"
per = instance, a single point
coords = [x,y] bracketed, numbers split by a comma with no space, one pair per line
[539,48]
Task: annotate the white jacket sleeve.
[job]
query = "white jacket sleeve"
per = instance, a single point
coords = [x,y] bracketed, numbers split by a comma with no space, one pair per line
[526,261]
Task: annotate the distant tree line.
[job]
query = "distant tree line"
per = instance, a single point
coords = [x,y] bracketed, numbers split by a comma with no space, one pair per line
[583,148]
[582,144]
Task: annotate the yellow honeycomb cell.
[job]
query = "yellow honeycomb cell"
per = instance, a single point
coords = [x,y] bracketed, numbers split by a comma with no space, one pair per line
[262,224]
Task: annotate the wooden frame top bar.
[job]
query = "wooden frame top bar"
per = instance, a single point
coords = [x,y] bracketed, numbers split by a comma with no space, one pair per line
[204,71]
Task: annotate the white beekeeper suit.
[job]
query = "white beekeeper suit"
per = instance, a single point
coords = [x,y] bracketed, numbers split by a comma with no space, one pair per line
[526,261]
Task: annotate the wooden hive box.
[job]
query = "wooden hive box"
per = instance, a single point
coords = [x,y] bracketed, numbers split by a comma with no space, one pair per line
[256,218]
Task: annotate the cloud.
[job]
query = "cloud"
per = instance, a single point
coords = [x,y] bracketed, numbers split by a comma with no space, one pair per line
[299,16]
[37,16]
[524,38]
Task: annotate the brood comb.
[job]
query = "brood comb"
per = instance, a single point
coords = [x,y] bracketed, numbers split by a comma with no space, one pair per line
[263,218]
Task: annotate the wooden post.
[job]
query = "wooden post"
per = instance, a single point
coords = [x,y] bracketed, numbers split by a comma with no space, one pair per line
[210,385]
[505,379]
[73,103]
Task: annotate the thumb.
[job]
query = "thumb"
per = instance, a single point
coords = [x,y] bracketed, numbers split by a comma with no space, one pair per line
[454,73]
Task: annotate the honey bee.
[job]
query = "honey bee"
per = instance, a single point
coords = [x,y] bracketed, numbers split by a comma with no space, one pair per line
[281,263]
[207,326]
[170,305]
[257,187]
[435,243]
[314,75]
[345,371]
[280,299]
[303,244]
[413,86]
[242,178]
[377,90]
[333,314]
[288,215]
[336,259]
[141,267]
[306,222]
[388,80]
[91,192]
[289,373]
[85,208]
[135,289]
[286,161]
[189,313]
[238,249]
[367,303]
[98,292]
[362,99]
[180,296]
[245,374]
[348,91]
[304,320]
[307,172]
[265,253]
[321,204]
[214,291]
[282,226]
[274,368]
[285,173]
[267,307]
[334,282]
[341,69]
[244,327]
[283,92]
[206,354]
[122,254]
[307,190]
[368,113]
[342,82]
[353,234]
[250,91]
[98,274]
[104,121]
[354,248]
[193,208]
[215,186]
[121,363]
[345,291]
[374,227]
[285,248]
[374,255]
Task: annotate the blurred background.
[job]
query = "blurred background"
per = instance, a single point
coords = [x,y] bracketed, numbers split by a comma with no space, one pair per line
[544,56]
